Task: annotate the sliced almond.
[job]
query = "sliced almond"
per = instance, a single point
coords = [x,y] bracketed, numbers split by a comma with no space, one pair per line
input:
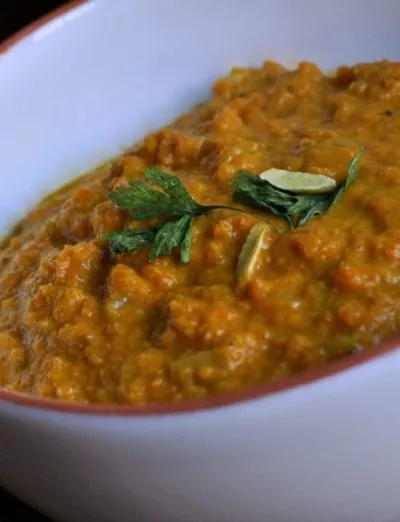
[299,182]
[250,252]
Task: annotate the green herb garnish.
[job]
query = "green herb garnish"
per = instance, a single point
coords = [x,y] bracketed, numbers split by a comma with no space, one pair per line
[175,206]
[296,209]
[146,203]
[130,240]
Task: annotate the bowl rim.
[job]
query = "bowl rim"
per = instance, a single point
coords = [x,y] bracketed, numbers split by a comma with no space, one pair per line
[190,405]
[25,31]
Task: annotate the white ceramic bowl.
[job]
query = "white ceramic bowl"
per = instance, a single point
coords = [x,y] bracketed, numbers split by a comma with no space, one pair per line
[320,448]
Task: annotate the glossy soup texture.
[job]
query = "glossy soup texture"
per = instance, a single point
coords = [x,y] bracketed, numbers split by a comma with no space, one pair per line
[78,323]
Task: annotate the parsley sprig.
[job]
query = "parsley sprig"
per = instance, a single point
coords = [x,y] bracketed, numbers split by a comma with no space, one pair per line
[296,209]
[175,206]
[146,203]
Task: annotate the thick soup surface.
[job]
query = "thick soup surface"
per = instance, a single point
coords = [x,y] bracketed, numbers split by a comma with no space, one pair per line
[79,323]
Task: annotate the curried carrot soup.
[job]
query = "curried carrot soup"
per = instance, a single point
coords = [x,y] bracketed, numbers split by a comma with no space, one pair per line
[256,237]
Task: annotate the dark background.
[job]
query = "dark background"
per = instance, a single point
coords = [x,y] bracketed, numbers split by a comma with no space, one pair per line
[14,15]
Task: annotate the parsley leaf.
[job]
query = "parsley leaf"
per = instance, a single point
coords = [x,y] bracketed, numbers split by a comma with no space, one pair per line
[351,176]
[171,235]
[129,240]
[176,233]
[252,191]
[186,244]
[175,190]
[148,203]
[296,209]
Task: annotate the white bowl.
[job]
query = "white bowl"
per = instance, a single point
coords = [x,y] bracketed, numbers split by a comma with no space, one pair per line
[323,447]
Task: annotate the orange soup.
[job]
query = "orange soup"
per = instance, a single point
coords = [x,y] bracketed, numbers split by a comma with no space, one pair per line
[82,322]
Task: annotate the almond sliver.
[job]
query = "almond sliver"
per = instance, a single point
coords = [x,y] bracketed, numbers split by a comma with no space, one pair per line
[250,252]
[299,182]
